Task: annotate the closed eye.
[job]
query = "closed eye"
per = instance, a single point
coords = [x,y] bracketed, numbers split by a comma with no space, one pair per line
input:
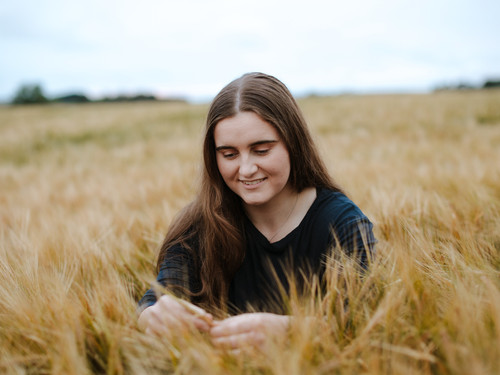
[262,152]
[229,155]
[264,146]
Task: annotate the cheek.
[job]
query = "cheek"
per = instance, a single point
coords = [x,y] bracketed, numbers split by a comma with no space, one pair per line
[285,174]
[281,166]
[224,168]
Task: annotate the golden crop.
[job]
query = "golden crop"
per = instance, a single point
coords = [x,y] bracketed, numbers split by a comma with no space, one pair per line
[87,193]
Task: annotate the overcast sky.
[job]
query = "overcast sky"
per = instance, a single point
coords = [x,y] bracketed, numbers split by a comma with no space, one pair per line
[192,48]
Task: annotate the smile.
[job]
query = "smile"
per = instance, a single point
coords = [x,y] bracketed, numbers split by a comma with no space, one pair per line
[254,182]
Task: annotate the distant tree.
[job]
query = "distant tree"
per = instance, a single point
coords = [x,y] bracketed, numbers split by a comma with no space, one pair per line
[142,97]
[465,86]
[72,98]
[29,94]
[457,86]
[491,83]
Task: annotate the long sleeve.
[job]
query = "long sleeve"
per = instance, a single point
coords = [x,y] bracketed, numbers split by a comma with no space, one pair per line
[356,239]
[177,274]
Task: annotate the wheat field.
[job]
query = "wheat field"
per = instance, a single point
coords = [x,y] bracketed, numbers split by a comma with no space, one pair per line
[87,193]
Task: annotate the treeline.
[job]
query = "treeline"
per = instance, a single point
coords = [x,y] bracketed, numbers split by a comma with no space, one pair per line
[33,94]
[489,84]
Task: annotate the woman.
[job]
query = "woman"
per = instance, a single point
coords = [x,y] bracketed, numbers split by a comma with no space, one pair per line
[267,212]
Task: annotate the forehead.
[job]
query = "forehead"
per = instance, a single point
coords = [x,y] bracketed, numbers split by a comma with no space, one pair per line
[242,129]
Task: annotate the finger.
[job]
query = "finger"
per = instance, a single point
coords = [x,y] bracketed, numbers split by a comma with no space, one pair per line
[192,308]
[184,308]
[241,340]
[201,325]
[197,312]
[178,318]
[234,325]
[190,321]
[171,316]
[169,304]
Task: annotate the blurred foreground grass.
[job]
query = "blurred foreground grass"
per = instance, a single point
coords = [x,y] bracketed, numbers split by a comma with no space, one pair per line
[87,193]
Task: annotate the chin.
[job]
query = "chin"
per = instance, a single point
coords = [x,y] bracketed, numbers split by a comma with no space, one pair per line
[255,202]
[251,201]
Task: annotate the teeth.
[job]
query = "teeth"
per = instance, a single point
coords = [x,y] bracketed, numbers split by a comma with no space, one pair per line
[254,182]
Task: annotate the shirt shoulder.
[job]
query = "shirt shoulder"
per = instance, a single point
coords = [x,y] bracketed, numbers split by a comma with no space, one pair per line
[335,208]
[335,215]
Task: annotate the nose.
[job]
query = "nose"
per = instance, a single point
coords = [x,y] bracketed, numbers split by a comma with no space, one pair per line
[247,166]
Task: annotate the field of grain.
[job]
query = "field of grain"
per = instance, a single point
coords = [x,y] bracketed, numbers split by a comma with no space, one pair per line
[87,193]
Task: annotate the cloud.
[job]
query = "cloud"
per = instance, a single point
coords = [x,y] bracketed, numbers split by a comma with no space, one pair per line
[194,46]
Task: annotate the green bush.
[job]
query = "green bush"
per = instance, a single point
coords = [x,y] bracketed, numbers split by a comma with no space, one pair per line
[29,94]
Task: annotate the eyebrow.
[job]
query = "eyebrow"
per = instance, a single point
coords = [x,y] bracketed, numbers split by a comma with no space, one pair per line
[264,141]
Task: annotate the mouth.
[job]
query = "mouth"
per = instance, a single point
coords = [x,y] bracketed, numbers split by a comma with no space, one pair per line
[253,182]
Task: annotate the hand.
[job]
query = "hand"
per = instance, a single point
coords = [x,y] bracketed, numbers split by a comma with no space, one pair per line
[170,314]
[249,331]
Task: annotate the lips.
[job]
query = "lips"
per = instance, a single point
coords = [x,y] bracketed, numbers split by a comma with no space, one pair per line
[252,182]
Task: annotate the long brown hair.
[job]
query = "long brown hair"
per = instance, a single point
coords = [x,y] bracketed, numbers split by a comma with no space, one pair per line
[215,218]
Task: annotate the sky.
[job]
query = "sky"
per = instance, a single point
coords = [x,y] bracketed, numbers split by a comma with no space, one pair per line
[192,48]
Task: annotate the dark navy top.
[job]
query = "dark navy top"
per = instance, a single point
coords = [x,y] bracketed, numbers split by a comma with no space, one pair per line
[332,223]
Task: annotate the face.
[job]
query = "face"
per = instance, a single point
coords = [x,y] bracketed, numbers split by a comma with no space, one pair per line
[252,158]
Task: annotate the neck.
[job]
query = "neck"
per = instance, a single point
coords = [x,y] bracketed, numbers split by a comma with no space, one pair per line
[278,218]
[272,213]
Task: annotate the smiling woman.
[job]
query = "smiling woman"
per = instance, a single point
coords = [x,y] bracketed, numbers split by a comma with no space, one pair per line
[252,159]
[266,202]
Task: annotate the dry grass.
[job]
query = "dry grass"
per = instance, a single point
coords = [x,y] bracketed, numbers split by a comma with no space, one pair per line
[87,192]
